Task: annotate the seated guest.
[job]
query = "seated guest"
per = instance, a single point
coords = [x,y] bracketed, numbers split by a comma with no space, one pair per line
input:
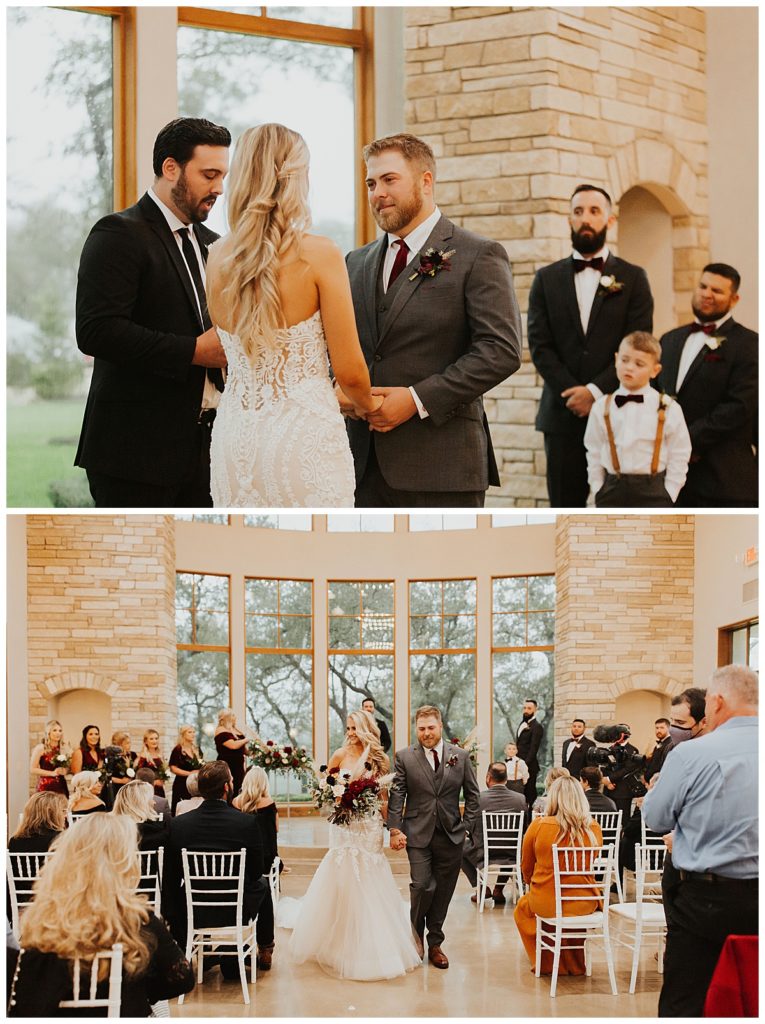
[185,758]
[496,797]
[161,803]
[517,770]
[44,818]
[136,801]
[194,799]
[85,796]
[539,807]
[568,823]
[256,799]
[591,779]
[88,757]
[215,827]
[85,903]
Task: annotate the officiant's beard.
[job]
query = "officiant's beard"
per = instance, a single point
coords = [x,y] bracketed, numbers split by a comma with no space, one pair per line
[589,243]
[397,217]
[191,207]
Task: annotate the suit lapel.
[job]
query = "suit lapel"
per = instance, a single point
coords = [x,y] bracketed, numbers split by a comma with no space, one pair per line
[424,764]
[704,351]
[568,290]
[162,229]
[405,286]
[374,257]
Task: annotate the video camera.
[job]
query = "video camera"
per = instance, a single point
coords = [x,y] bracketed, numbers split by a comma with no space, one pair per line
[613,757]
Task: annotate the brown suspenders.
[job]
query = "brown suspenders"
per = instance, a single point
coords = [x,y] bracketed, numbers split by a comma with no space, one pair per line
[612,443]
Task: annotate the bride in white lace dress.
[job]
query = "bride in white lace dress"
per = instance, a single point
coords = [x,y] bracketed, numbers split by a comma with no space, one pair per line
[281,301]
[353,920]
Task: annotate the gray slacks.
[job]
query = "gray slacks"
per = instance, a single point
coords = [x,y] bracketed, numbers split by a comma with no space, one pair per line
[434,871]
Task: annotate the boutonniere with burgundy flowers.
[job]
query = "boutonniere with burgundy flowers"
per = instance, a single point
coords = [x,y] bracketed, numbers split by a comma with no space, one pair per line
[453,760]
[608,285]
[432,262]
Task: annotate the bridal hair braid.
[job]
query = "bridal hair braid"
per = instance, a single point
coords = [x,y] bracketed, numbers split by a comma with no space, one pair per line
[268,214]
[369,735]
[85,898]
[82,784]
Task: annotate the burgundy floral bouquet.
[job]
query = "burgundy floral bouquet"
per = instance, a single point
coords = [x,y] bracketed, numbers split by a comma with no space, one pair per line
[351,799]
[273,758]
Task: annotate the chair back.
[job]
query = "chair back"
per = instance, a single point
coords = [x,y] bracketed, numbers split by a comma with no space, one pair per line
[22,870]
[649,838]
[273,882]
[649,867]
[151,876]
[502,836]
[610,825]
[72,819]
[113,998]
[582,874]
[214,884]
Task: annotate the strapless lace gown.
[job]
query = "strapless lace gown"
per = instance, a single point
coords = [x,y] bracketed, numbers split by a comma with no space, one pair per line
[352,920]
[279,437]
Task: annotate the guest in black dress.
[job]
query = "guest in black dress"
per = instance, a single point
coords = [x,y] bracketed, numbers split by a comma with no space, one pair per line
[136,801]
[256,799]
[88,757]
[184,759]
[85,797]
[85,903]
[231,743]
[51,775]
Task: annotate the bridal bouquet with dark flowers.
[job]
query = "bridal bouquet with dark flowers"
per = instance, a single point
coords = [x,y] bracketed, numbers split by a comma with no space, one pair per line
[351,799]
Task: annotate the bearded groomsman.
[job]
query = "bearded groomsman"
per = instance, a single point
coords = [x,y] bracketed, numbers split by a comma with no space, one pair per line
[439,326]
[580,308]
[711,367]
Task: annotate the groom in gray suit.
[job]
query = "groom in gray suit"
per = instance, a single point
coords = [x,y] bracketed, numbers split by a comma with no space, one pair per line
[439,326]
[424,817]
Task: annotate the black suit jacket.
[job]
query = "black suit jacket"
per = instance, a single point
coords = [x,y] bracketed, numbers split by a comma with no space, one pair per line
[562,353]
[528,742]
[718,396]
[658,757]
[137,316]
[617,776]
[599,802]
[385,739]
[217,828]
[578,758]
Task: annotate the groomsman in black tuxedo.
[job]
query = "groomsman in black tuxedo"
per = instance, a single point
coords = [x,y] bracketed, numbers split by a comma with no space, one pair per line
[528,740]
[574,753]
[711,367]
[142,315]
[580,308]
[368,704]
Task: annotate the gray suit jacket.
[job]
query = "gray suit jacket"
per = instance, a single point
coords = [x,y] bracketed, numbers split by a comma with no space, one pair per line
[452,337]
[421,798]
[495,798]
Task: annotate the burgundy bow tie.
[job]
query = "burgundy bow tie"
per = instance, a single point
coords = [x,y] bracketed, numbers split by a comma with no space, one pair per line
[706,328]
[595,264]
[623,399]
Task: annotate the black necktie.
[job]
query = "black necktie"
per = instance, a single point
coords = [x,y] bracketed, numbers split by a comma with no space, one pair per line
[436,762]
[623,399]
[213,373]
[706,328]
[595,264]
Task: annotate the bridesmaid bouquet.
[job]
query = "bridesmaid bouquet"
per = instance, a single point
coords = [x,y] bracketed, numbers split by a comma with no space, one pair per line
[62,761]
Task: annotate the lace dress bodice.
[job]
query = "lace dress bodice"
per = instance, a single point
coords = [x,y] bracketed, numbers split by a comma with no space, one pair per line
[279,438]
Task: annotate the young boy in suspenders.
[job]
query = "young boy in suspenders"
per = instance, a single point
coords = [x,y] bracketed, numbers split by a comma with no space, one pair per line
[637,442]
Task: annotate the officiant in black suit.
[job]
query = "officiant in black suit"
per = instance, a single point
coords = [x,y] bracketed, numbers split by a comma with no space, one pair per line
[439,326]
[142,315]
[711,367]
[580,308]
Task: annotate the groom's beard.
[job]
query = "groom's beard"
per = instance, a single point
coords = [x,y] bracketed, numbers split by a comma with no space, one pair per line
[191,207]
[394,218]
[590,242]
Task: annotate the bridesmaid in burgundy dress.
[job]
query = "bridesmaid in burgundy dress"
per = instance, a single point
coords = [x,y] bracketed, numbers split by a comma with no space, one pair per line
[185,758]
[51,776]
[88,757]
[150,757]
[230,743]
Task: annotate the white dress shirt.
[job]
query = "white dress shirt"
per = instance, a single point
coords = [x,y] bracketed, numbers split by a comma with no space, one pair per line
[586,284]
[693,345]
[634,428]
[210,395]
[517,770]
[415,240]
[429,754]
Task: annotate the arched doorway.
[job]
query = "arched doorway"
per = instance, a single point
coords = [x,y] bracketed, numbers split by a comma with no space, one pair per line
[640,709]
[645,238]
[77,708]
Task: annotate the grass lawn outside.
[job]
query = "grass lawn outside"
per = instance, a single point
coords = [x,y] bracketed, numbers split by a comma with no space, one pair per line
[41,443]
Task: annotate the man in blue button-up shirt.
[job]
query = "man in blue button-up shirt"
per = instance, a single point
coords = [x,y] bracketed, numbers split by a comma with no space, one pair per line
[707,794]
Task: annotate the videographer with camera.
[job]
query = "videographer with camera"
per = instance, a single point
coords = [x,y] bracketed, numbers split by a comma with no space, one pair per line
[621,765]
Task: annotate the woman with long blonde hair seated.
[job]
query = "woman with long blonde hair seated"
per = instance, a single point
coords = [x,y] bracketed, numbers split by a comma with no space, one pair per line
[85,902]
[568,822]
[281,301]
[42,821]
[136,801]
[85,797]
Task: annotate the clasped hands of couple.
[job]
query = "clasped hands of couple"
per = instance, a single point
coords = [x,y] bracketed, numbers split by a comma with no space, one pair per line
[394,406]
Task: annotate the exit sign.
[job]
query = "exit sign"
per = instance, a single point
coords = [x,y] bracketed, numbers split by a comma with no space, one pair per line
[751,556]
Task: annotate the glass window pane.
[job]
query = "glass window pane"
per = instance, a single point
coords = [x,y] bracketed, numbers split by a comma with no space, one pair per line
[518,675]
[261,631]
[448,682]
[459,631]
[754,646]
[339,17]
[183,630]
[60,181]
[509,630]
[739,647]
[507,519]
[425,521]
[425,632]
[541,593]
[261,595]
[459,596]
[202,691]
[377,632]
[424,597]
[344,632]
[510,594]
[184,588]
[459,522]
[279,697]
[240,81]
[264,522]
[377,597]
[295,596]
[351,679]
[541,628]
[212,592]
[344,598]
[212,629]
[296,632]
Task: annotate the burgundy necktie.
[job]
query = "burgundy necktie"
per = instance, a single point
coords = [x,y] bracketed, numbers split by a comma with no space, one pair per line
[400,261]
[595,264]
[623,399]
[436,762]
[706,328]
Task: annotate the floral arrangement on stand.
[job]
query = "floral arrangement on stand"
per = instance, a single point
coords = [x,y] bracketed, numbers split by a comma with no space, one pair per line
[273,758]
[350,799]
[471,744]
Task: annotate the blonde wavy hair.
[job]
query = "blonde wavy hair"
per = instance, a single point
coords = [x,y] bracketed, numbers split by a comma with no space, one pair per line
[226,720]
[556,772]
[254,788]
[145,752]
[47,745]
[267,203]
[82,785]
[567,803]
[85,898]
[136,801]
[44,811]
[369,734]
[181,730]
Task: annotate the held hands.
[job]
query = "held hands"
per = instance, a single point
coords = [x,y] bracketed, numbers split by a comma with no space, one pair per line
[397,839]
[392,406]
[209,351]
[578,399]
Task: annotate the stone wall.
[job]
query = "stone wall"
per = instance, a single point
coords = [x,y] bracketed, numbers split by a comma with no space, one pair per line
[522,104]
[101,603]
[624,610]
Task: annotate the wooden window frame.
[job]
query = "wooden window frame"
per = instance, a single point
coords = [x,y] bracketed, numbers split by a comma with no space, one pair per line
[725,639]
[207,647]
